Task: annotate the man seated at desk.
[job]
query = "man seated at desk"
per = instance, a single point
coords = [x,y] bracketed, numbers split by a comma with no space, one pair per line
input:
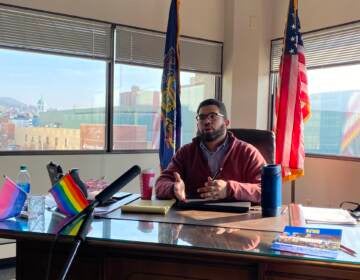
[216,165]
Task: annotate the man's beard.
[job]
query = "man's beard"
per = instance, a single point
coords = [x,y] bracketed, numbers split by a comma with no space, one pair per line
[213,135]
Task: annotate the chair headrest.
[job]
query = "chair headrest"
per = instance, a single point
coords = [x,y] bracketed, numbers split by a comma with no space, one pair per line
[263,140]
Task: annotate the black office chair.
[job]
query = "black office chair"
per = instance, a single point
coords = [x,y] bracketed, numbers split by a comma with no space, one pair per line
[263,140]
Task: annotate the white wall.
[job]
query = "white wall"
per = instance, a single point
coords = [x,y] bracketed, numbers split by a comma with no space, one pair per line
[91,166]
[246,44]
[315,14]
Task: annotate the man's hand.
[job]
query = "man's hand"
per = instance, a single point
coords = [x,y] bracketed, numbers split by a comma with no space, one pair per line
[216,189]
[179,187]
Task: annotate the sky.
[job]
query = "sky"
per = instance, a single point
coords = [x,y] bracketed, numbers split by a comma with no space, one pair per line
[339,78]
[66,82]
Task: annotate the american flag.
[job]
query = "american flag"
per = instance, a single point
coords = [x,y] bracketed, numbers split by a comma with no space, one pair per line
[292,100]
[170,133]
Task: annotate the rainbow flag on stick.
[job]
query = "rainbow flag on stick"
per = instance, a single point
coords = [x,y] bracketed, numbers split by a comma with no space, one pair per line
[68,196]
[12,199]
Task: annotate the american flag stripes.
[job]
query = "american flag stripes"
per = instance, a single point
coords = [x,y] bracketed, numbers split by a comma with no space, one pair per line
[292,100]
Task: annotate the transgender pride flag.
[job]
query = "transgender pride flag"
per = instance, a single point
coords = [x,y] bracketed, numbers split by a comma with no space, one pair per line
[12,199]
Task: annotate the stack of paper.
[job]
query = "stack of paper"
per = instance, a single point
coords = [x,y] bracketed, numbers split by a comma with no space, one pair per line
[335,216]
[149,206]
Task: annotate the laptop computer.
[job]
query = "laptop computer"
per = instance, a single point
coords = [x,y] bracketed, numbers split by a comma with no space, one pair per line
[214,205]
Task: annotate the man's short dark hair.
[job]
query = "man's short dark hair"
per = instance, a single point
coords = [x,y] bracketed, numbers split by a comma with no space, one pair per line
[212,101]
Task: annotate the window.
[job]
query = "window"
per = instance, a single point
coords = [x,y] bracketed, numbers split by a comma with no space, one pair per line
[335,100]
[56,91]
[137,86]
[137,100]
[53,79]
[333,60]
[50,96]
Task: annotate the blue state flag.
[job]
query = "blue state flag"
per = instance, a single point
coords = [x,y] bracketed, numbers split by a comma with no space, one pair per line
[170,131]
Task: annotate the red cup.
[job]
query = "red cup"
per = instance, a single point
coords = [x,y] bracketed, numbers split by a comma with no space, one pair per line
[145,226]
[147,179]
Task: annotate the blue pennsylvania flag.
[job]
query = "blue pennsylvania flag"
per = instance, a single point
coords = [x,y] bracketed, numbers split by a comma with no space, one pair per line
[170,131]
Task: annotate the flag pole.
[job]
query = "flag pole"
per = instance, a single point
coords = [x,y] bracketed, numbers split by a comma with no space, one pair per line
[292,102]
[170,129]
[293,191]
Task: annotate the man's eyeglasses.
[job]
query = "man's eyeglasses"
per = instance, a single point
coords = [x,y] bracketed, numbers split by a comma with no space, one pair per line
[212,116]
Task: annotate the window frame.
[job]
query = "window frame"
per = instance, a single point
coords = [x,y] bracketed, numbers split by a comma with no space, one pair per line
[274,75]
[109,83]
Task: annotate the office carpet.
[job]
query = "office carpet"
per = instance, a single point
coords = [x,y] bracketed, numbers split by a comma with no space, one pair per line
[7,273]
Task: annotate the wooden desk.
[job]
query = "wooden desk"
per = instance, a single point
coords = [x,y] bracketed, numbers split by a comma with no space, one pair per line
[129,249]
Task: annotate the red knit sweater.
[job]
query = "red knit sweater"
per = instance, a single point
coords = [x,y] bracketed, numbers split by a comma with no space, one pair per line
[241,168]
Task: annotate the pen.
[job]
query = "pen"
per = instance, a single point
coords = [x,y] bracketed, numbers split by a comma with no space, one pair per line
[216,174]
[56,213]
[347,250]
[284,210]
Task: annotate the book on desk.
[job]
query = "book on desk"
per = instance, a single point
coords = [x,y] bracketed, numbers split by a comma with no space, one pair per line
[148,206]
[163,206]
[322,242]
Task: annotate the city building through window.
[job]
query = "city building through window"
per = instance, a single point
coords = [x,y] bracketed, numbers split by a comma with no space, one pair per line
[56,90]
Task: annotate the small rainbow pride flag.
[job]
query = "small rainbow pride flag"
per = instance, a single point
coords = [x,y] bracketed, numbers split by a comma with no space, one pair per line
[56,224]
[68,196]
[12,199]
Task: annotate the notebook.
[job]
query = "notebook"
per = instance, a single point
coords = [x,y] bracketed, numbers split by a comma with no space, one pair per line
[214,205]
[334,216]
[148,206]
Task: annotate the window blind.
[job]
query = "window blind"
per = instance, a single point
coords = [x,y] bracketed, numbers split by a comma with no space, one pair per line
[26,29]
[147,48]
[327,47]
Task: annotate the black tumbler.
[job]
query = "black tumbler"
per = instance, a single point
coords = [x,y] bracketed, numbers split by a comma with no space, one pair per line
[271,182]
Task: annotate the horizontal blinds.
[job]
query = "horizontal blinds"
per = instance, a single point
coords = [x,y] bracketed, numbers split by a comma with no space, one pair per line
[41,31]
[147,48]
[140,47]
[331,46]
[32,30]
[201,56]
[276,50]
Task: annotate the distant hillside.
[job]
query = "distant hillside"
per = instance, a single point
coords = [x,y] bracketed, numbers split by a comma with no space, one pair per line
[11,102]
